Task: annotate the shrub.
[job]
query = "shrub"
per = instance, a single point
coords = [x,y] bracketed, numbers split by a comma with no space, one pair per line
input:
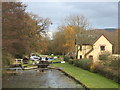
[112,62]
[71,61]
[71,57]
[83,63]
[58,56]
[66,58]
[100,69]
[115,63]
[76,63]
[104,56]
[18,56]
[108,73]
[93,66]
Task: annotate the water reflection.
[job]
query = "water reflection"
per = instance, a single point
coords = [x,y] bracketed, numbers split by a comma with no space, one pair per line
[50,78]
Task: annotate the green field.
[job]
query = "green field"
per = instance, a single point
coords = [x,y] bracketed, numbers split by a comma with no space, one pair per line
[91,80]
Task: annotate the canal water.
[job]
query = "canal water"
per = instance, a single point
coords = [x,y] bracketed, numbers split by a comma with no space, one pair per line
[50,78]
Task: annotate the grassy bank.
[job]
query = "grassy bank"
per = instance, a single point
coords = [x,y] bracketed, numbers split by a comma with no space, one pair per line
[91,80]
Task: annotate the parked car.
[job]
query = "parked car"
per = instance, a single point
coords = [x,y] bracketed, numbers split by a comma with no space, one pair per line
[34,58]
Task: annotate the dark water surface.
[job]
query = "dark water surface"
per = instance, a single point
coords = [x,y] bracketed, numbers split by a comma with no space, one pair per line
[36,79]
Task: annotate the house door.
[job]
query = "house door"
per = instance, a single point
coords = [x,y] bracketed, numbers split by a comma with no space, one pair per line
[91,57]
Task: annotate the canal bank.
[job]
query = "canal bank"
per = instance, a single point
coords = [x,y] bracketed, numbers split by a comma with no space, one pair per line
[79,76]
[89,79]
[70,76]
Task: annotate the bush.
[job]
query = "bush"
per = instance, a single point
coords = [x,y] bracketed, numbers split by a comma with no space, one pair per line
[108,73]
[71,61]
[103,70]
[104,56]
[66,58]
[114,63]
[71,57]
[58,56]
[76,63]
[93,67]
[83,63]
[100,69]
[18,56]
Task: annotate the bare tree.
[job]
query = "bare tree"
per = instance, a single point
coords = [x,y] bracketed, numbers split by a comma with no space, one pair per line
[78,22]
[42,24]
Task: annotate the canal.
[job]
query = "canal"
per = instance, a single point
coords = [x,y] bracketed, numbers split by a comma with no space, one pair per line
[34,78]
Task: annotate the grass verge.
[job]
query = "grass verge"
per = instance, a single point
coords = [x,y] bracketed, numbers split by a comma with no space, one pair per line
[56,61]
[91,80]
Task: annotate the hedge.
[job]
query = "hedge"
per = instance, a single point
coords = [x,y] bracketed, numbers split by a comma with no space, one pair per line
[71,61]
[108,73]
[82,63]
[87,64]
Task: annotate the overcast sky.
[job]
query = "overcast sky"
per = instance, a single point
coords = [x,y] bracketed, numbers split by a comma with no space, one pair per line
[99,14]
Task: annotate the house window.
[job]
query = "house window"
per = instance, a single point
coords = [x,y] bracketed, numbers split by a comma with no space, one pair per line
[80,56]
[102,48]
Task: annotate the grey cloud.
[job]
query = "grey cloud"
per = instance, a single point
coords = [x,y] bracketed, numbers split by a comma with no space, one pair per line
[99,14]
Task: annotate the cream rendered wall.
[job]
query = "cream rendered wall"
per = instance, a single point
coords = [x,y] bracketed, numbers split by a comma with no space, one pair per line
[85,49]
[96,46]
